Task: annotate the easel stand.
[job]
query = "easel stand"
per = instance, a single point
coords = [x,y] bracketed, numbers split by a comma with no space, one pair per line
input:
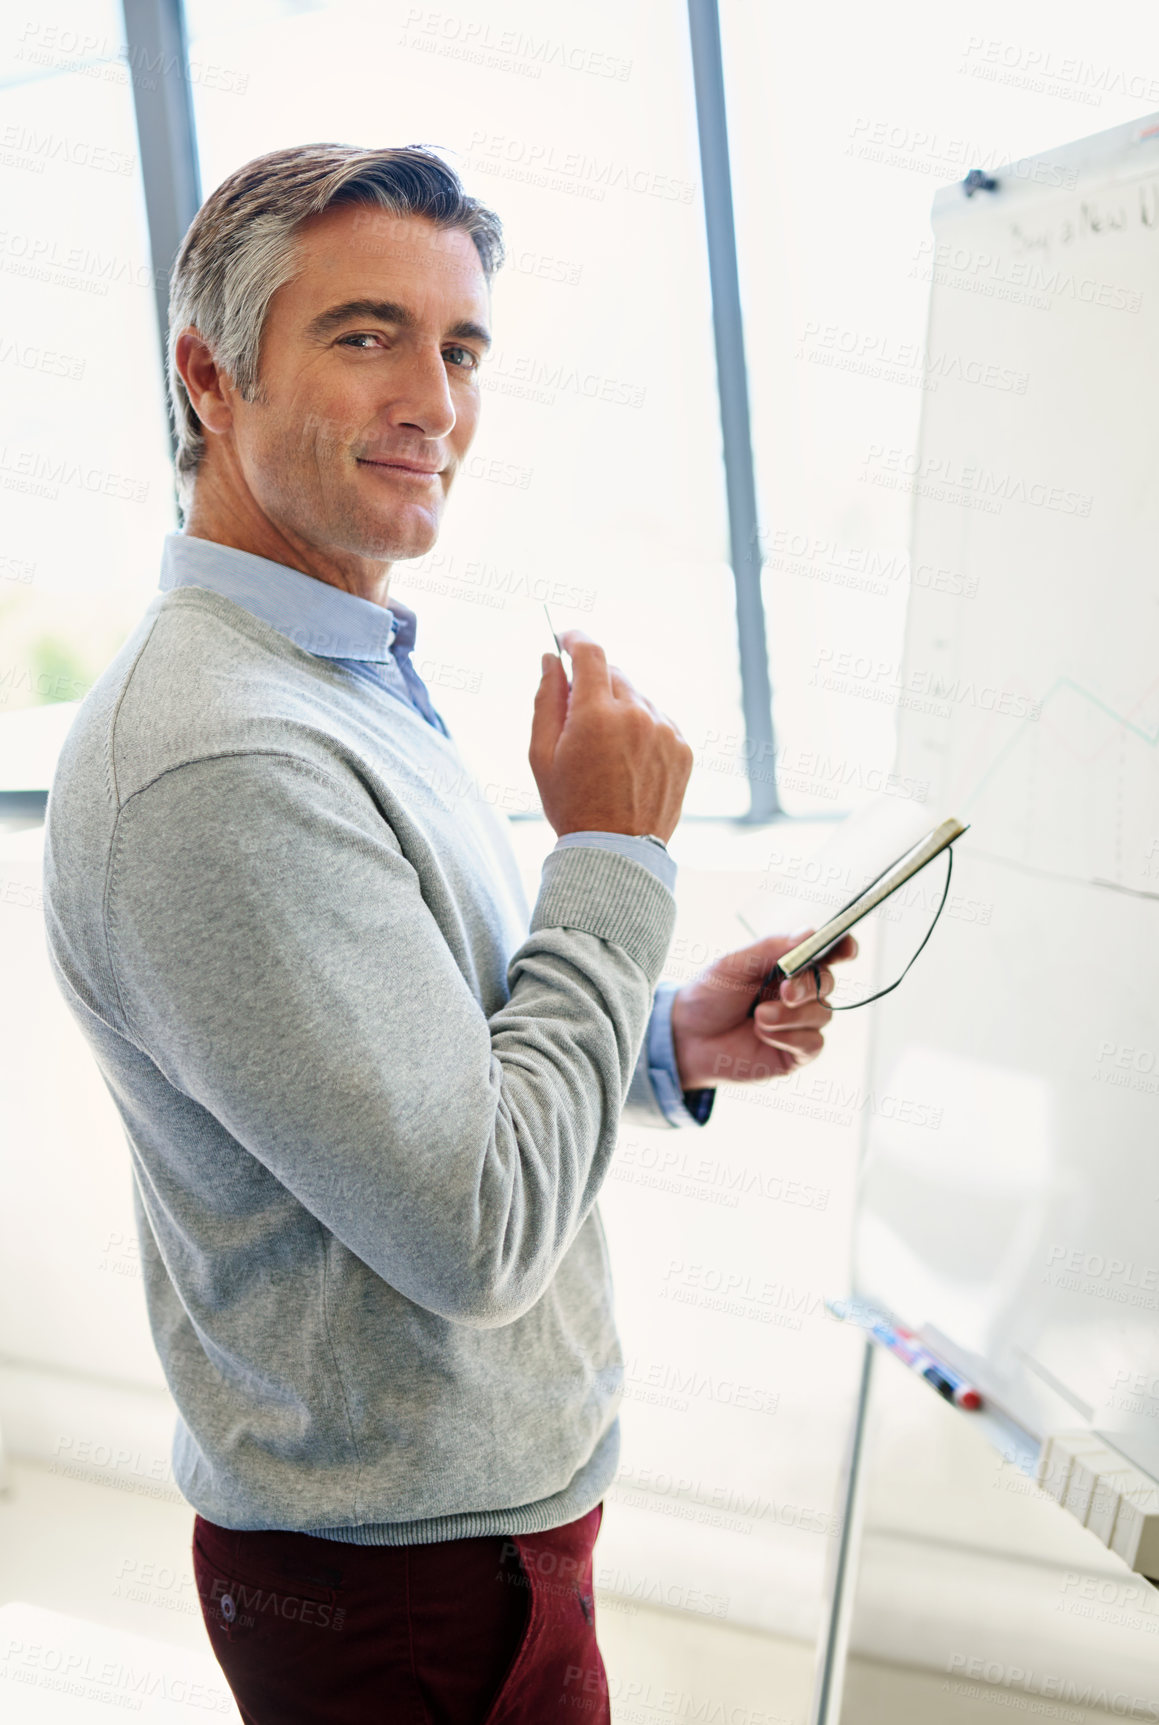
[841,1581]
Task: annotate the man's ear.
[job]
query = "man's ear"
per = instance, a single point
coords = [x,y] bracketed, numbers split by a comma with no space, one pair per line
[209,388]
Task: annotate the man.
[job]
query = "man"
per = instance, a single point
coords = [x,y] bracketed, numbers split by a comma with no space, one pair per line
[369,1111]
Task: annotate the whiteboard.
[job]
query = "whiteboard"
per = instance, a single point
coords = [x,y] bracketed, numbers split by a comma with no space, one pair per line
[1009,1196]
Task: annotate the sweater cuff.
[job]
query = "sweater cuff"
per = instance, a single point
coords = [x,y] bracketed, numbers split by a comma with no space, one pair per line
[613,897]
[653,856]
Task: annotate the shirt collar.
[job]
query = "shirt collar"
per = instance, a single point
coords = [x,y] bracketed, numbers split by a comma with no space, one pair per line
[314,615]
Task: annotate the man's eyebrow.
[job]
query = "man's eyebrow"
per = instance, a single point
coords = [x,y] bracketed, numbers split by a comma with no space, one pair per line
[386,311]
[468,330]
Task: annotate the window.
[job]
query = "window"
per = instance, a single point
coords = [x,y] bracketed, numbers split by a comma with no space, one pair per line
[83,450]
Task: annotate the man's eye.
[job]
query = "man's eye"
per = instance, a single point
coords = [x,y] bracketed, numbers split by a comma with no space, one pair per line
[363,337]
[468,361]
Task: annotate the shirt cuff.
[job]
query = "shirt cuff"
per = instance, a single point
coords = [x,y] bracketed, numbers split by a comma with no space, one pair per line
[680,1107]
[653,857]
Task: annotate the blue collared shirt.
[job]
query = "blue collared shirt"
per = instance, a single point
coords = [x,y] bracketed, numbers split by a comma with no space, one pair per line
[376,642]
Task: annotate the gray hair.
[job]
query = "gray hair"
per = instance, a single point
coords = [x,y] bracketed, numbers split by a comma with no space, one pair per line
[242,246]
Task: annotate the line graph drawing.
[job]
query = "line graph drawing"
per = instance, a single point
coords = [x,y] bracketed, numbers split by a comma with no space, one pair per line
[1074,795]
[1061,875]
[1150,737]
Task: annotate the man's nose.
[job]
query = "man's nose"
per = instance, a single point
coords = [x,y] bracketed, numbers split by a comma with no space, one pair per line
[422,396]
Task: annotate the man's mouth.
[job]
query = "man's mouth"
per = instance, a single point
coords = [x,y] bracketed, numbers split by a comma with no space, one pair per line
[415,469]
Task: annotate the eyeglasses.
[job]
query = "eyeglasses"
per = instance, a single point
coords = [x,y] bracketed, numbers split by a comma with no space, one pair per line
[870,998]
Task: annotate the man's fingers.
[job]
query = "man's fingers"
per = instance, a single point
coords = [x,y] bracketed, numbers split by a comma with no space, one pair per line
[771,1019]
[592,674]
[625,691]
[804,1044]
[806,986]
[550,712]
[749,965]
[589,664]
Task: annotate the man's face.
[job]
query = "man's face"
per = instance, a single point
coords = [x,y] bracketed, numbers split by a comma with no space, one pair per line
[368,391]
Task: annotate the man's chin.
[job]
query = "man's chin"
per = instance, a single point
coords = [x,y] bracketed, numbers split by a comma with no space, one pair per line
[393,537]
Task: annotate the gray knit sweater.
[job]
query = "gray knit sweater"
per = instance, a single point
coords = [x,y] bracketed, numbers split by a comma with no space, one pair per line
[368,1112]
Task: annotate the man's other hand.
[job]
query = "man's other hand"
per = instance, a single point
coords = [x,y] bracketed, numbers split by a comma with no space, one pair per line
[715,1040]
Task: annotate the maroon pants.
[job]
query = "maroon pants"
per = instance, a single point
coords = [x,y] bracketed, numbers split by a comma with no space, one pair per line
[492,1631]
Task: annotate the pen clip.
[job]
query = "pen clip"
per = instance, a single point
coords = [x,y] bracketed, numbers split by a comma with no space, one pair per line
[551,626]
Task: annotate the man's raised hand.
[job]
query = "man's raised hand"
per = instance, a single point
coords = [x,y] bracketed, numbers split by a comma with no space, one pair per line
[604,759]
